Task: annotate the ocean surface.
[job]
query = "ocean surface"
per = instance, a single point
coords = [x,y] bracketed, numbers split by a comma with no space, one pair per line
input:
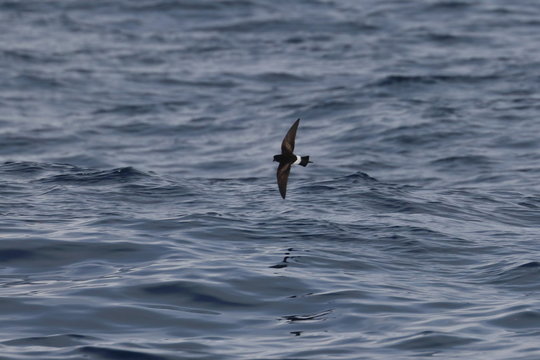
[139,213]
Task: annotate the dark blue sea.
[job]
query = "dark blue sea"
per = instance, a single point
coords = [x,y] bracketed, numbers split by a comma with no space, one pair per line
[139,213]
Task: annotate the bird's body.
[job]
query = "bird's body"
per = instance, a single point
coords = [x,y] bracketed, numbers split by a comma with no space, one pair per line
[287,158]
[295,159]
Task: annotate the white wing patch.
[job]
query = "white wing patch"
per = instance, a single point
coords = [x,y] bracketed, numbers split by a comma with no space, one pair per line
[298,159]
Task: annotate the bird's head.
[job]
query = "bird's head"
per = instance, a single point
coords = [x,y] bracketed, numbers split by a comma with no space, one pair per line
[277,158]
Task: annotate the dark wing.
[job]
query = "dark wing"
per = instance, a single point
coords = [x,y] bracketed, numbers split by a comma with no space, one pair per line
[283,171]
[287,146]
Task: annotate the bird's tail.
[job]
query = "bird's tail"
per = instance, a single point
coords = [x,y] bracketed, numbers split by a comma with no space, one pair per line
[304,161]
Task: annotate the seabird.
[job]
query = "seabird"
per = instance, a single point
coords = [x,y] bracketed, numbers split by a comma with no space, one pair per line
[287,158]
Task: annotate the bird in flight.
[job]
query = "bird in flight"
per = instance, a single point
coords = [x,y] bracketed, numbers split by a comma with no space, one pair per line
[287,158]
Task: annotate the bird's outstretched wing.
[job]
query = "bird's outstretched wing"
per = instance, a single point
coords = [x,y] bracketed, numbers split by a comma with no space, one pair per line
[287,146]
[283,171]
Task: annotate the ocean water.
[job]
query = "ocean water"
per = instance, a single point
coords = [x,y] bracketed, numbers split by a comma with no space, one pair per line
[140,216]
